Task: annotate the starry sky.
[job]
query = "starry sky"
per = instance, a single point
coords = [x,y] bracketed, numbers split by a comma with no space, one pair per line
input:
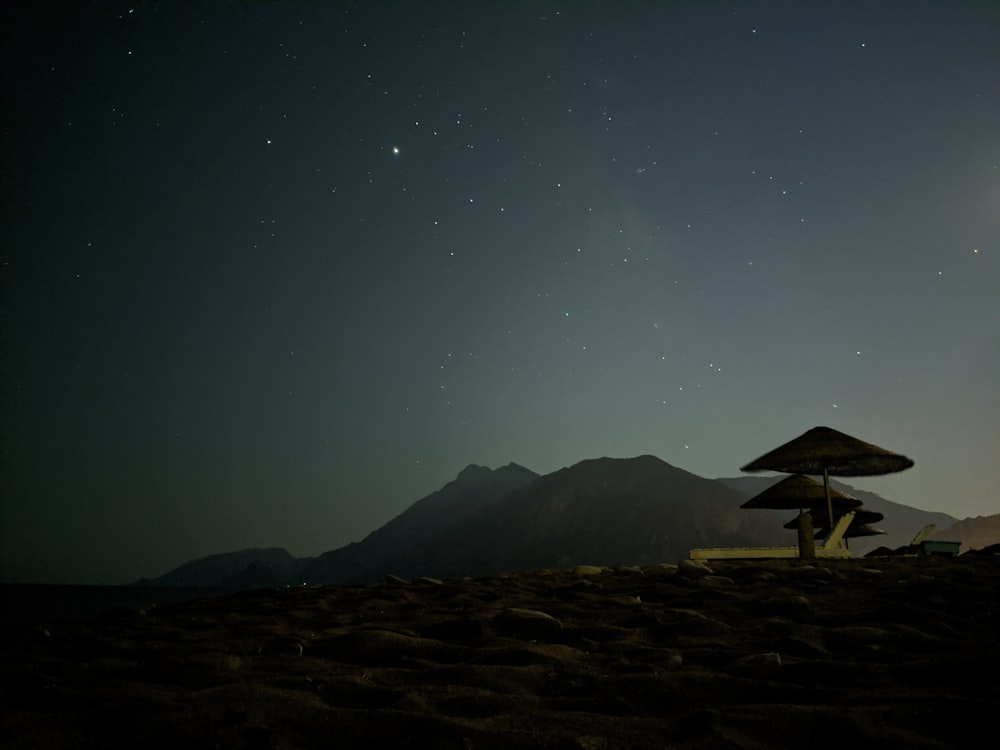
[273,271]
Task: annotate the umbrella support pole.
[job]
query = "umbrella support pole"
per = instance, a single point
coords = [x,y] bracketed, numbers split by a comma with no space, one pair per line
[807,543]
[829,502]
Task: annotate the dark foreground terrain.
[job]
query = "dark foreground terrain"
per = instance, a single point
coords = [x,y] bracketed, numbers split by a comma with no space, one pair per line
[886,653]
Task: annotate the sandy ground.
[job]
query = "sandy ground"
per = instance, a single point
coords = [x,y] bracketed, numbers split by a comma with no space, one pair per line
[887,653]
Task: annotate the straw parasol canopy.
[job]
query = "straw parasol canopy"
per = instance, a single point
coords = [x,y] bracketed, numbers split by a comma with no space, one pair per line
[825,451]
[862,516]
[799,491]
[855,531]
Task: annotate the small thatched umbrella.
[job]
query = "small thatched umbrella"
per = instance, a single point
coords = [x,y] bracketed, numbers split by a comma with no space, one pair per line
[856,531]
[799,491]
[862,517]
[825,451]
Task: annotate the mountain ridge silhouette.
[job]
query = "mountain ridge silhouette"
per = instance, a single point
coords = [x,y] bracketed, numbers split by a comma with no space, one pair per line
[599,511]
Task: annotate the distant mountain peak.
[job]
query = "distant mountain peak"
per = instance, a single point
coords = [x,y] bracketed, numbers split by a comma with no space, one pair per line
[218,569]
[476,473]
[629,465]
[646,458]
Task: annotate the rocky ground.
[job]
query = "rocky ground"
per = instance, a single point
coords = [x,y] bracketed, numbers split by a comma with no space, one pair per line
[895,652]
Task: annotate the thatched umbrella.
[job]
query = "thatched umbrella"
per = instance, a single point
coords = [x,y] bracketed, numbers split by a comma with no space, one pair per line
[799,491]
[825,451]
[853,531]
[856,531]
[862,517]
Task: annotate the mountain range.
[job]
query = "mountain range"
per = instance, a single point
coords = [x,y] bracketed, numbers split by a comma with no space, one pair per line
[604,511]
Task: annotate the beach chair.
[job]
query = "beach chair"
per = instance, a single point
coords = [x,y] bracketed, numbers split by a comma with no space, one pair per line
[922,544]
[924,533]
[831,547]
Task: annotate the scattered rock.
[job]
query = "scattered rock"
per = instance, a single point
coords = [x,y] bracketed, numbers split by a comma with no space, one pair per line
[716,581]
[395,579]
[785,606]
[859,633]
[761,576]
[672,658]
[691,622]
[526,624]
[629,570]
[756,665]
[811,571]
[283,646]
[856,638]
[385,648]
[818,573]
[694,568]
[629,601]
[460,631]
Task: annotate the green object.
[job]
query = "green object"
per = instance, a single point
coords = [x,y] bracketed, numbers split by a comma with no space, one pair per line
[934,547]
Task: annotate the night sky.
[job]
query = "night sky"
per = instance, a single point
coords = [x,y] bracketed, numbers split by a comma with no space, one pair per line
[273,271]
